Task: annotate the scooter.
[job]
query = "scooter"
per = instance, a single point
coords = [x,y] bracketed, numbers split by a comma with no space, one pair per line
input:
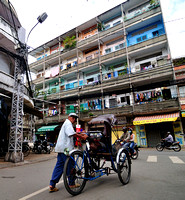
[37,148]
[174,146]
[46,147]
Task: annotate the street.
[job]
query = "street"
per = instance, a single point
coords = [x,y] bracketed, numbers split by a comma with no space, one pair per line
[155,175]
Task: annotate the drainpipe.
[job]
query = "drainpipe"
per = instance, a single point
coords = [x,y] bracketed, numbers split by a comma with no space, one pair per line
[78,77]
[43,105]
[128,63]
[100,67]
[59,82]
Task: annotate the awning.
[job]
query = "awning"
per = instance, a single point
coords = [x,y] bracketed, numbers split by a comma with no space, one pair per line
[47,128]
[40,133]
[156,119]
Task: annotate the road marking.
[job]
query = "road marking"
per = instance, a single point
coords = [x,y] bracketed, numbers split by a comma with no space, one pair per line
[152,159]
[37,192]
[175,159]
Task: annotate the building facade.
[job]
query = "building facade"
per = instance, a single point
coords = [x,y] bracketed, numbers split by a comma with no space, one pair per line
[118,62]
[9,28]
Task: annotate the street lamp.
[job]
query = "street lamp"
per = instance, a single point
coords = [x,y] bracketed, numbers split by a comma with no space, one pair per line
[40,19]
[14,153]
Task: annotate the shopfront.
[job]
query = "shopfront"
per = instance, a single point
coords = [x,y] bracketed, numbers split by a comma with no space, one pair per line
[49,133]
[150,129]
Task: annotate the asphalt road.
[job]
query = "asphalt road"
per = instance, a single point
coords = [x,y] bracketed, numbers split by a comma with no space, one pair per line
[155,175]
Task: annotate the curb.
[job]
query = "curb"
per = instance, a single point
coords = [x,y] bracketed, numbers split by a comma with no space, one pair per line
[27,161]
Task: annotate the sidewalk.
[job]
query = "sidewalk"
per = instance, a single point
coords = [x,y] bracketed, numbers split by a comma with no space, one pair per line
[31,158]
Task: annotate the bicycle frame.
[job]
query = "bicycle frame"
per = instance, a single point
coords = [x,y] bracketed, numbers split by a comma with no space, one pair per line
[98,172]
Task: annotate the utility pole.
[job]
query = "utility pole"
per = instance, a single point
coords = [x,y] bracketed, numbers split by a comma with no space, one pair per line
[14,153]
[16,125]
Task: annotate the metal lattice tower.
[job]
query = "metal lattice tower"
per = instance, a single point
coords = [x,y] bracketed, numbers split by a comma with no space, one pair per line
[31,128]
[16,125]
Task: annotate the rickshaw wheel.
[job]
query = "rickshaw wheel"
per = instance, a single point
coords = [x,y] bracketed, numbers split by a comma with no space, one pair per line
[124,167]
[75,172]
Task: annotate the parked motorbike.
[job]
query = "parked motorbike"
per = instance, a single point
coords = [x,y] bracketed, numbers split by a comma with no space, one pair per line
[25,149]
[37,148]
[46,148]
[174,146]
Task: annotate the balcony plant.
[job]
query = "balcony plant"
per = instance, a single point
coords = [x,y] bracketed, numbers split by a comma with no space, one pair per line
[70,42]
[100,27]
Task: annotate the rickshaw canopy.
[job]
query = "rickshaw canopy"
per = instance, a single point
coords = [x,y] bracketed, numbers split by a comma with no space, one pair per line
[102,119]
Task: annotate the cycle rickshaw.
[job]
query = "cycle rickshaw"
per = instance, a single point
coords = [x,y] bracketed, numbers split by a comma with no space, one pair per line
[90,163]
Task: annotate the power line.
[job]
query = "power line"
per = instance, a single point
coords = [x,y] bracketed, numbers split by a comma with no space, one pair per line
[173,20]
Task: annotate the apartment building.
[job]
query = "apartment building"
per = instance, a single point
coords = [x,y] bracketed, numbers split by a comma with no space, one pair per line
[119,62]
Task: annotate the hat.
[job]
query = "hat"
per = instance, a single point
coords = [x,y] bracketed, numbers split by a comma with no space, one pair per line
[73,115]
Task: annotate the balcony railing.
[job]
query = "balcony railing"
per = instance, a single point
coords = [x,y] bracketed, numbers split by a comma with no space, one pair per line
[165,106]
[143,15]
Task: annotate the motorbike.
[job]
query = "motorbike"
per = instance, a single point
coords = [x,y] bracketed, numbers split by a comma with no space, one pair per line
[46,147]
[174,146]
[37,148]
[25,149]
[134,155]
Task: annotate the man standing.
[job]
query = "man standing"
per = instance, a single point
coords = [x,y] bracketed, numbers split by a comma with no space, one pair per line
[64,144]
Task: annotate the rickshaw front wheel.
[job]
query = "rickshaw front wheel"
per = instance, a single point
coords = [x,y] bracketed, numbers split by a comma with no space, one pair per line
[124,167]
[75,173]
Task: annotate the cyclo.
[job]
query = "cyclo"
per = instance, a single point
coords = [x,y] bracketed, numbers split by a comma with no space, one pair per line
[98,157]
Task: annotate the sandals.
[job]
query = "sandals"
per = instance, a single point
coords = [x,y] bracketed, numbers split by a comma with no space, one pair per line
[53,189]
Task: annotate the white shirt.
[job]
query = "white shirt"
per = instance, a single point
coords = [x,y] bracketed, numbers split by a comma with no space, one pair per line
[65,139]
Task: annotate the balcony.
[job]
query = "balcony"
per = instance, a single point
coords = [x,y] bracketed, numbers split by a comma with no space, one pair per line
[38,80]
[110,31]
[87,40]
[156,107]
[143,16]
[171,105]
[148,43]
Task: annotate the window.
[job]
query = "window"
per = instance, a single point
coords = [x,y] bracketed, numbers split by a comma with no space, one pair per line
[107,26]
[108,50]
[116,23]
[90,80]
[120,46]
[155,33]
[142,38]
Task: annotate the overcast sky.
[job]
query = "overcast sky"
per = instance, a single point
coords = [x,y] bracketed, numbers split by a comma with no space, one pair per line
[63,15]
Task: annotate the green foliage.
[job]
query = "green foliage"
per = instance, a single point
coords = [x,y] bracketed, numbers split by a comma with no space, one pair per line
[153,2]
[91,114]
[179,61]
[100,27]
[112,68]
[70,42]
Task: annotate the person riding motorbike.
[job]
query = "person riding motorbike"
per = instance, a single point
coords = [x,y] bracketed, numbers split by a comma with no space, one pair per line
[125,137]
[132,143]
[168,140]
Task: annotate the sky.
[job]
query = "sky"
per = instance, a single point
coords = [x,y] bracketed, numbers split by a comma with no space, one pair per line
[64,15]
